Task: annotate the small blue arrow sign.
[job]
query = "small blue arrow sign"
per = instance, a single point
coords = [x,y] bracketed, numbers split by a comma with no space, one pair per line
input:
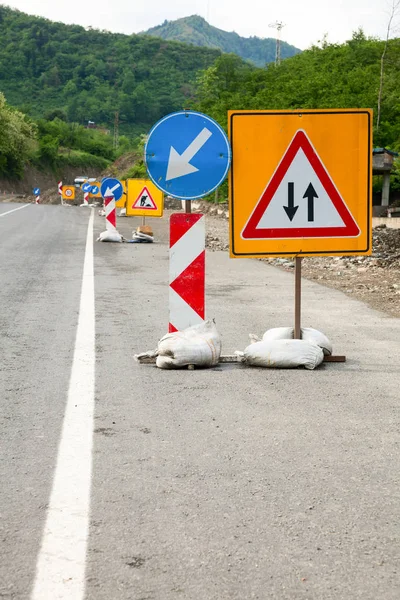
[187,155]
[111,187]
[86,187]
[95,189]
[36,191]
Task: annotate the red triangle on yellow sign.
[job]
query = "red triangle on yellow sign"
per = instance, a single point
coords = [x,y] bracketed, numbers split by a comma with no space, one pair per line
[144,201]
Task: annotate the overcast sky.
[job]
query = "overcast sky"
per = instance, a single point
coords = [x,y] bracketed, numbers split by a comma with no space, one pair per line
[306,21]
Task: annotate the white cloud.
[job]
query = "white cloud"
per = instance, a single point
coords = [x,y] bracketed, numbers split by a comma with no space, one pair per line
[306,21]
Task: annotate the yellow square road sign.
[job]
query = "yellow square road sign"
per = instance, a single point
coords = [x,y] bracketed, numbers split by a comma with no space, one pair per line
[68,192]
[144,199]
[300,182]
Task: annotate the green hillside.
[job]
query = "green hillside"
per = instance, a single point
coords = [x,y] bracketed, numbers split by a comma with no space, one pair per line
[332,76]
[195,30]
[91,74]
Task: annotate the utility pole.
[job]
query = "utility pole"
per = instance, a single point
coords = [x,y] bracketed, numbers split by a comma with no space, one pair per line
[278,25]
[116,130]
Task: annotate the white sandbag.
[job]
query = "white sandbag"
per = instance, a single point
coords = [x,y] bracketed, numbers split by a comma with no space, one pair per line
[142,237]
[199,345]
[109,236]
[307,333]
[278,333]
[313,335]
[284,354]
[254,338]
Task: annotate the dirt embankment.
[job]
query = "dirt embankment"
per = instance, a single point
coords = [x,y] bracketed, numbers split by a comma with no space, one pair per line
[45,180]
[373,279]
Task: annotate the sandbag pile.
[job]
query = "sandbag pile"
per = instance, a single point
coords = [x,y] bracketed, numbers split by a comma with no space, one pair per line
[278,349]
[199,345]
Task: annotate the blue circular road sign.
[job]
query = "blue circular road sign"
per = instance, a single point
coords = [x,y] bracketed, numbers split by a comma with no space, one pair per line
[95,189]
[187,155]
[110,186]
[86,187]
[36,191]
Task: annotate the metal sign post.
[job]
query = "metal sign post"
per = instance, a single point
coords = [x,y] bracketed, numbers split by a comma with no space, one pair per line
[297,298]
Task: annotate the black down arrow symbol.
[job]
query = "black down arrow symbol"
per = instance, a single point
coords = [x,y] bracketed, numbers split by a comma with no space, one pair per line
[291,209]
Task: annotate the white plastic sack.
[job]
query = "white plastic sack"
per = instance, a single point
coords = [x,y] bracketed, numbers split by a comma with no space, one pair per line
[313,335]
[283,354]
[307,333]
[199,345]
[278,333]
[109,236]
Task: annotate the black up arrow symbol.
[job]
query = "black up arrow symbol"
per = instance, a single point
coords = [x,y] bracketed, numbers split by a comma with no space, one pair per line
[291,209]
[310,194]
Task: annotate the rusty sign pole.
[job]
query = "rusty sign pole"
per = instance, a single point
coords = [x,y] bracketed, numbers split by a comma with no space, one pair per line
[188,206]
[297,298]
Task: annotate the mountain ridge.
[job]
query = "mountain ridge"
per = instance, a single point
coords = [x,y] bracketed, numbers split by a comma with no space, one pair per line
[195,30]
[92,75]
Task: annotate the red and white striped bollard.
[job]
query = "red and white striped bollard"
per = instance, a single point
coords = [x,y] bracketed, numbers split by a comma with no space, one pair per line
[60,185]
[187,271]
[111,213]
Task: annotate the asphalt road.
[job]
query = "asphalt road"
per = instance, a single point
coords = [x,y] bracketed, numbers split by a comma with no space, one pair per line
[230,483]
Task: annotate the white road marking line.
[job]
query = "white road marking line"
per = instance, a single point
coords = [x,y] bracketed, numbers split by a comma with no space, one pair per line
[14,209]
[60,569]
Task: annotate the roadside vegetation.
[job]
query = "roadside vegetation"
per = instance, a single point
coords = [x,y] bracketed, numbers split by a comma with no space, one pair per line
[61,77]
[326,76]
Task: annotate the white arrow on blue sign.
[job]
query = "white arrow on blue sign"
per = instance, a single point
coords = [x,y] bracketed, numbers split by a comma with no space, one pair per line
[111,187]
[94,189]
[86,187]
[36,191]
[187,155]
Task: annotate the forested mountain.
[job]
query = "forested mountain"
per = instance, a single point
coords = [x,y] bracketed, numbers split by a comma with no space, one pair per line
[62,76]
[331,76]
[195,30]
[91,74]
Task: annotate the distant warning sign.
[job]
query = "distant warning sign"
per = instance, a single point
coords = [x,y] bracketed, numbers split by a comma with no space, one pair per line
[303,186]
[68,192]
[144,199]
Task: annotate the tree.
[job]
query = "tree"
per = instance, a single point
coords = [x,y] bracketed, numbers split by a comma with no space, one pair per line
[16,139]
[393,11]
